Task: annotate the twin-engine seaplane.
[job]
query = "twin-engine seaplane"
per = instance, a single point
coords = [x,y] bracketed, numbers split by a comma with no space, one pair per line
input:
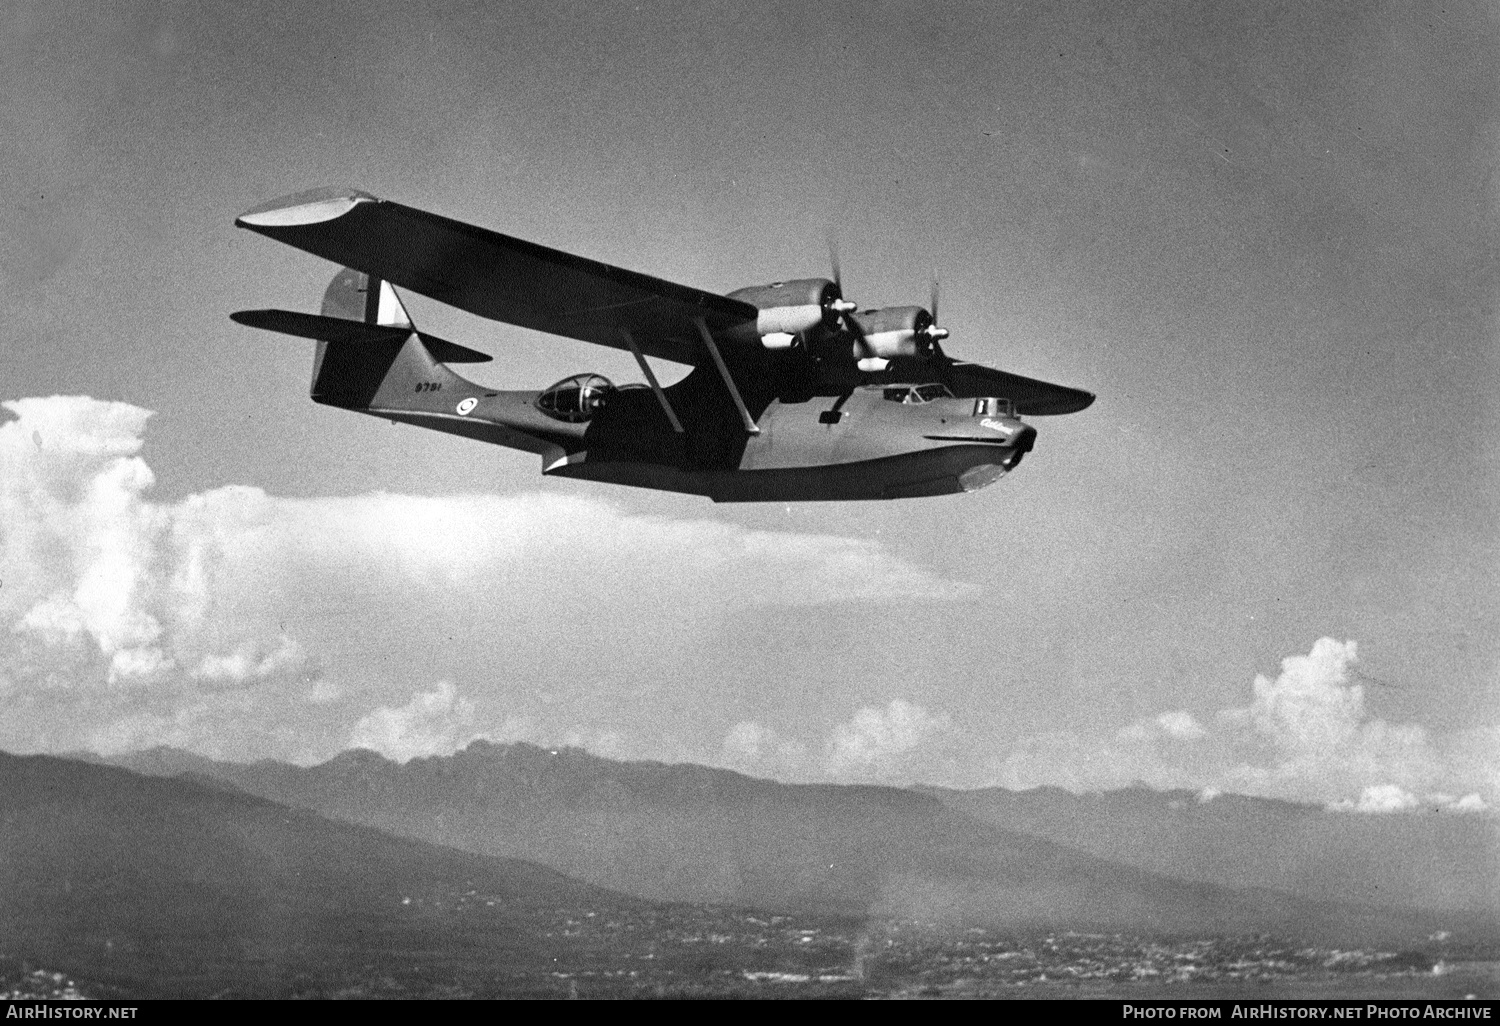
[795,394]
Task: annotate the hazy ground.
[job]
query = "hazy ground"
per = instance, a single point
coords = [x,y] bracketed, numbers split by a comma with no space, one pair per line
[117,884]
[694,951]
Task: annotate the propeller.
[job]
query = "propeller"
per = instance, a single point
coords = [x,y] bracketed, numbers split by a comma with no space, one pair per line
[932,331]
[840,307]
[841,311]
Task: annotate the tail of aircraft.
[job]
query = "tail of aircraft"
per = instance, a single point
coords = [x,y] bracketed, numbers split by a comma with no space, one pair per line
[351,369]
[353,296]
[369,353]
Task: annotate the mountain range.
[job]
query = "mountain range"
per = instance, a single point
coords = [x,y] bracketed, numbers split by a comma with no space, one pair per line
[167,888]
[1435,859]
[1135,860]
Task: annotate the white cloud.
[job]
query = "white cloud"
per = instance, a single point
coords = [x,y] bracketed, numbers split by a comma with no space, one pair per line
[436,722]
[1181,725]
[1469,803]
[878,743]
[441,722]
[876,740]
[756,749]
[1383,798]
[1306,735]
[748,742]
[250,661]
[77,425]
[118,613]
[78,539]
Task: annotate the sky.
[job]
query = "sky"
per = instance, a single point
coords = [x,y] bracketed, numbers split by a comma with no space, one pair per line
[1264,561]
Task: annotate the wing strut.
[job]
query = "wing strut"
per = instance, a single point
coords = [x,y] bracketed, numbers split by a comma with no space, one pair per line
[661,396]
[734,393]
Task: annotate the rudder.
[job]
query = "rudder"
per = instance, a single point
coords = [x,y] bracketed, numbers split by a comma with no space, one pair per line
[354,296]
[352,374]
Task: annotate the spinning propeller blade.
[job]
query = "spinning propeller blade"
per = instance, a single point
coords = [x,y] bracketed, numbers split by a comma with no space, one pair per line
[934,333]
[841,308]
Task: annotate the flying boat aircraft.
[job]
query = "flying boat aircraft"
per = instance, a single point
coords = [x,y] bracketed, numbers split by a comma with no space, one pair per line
[796,393]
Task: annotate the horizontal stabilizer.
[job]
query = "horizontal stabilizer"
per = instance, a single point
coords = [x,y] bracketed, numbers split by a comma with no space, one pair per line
[337,329]
[451,352]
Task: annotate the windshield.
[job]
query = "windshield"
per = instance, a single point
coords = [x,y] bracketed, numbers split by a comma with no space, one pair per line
[911,395]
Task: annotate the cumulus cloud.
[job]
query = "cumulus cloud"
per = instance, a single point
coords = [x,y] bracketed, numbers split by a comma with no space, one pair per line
[136,621]
[436,722]
[754,748]
[1305,735]
[250,661]
[748,742]
[876,743]
[441,722]
[1181,725]
[876,739]
[78,540]
[1380,798]
[97,586]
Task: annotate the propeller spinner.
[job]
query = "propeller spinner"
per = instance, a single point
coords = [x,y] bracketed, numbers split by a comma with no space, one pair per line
[932,331]
[840,307]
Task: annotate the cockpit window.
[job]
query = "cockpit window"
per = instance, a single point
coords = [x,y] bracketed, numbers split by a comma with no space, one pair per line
[575,399]
[912,395]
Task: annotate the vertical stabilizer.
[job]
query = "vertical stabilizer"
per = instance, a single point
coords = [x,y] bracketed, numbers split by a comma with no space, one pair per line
[353,296]
[351,374]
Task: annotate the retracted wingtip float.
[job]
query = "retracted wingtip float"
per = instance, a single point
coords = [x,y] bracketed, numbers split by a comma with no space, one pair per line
[795,392]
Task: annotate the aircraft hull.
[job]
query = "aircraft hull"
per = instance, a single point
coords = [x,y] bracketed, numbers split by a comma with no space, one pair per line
[939,471]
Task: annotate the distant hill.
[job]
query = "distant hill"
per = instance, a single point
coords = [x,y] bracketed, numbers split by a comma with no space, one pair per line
[166,887]
[690,833]
[1431,860]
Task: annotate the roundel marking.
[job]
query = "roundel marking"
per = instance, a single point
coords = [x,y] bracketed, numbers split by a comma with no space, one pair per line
[467,406]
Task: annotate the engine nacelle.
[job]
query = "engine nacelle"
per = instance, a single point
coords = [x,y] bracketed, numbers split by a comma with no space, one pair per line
[892,332]
[791,308]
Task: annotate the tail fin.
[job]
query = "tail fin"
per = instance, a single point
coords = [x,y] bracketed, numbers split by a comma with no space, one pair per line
[353,296]
[369,352]
[351,373]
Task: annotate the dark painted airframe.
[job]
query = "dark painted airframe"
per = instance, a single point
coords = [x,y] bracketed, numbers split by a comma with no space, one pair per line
[795,393]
